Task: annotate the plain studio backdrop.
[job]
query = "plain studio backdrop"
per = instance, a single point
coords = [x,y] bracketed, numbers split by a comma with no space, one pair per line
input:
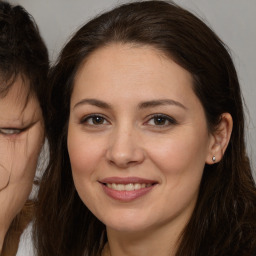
[233,20]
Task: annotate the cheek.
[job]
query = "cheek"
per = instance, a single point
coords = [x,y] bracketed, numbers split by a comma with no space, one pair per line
[180,162]
[84,153]
[28,153]
[180,154]
[5,172]
[18,161]
[19,156]
[85,157]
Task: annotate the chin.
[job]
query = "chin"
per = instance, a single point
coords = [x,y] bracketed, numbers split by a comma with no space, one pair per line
[125,225]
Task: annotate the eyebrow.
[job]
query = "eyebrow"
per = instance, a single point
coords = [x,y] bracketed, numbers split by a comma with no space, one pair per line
[94,102]
[155,103]
[142,105]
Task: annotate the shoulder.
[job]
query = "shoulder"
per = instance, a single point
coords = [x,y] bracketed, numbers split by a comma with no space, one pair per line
[26,244]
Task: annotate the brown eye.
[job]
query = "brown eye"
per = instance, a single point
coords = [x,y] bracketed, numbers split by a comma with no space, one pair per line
[97,120]
[161,120]
[94,120]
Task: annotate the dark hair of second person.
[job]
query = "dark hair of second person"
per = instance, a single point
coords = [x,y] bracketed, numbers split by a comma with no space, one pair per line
[24,67]
[223,220]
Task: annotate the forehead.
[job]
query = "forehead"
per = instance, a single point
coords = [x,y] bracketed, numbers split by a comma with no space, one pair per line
[18,101]
[134,68]
[16,87]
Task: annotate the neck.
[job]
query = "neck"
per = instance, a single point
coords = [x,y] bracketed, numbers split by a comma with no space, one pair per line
[161,241]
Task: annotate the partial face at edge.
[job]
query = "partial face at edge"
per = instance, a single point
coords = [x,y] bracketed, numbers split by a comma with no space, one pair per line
[21,138]
[137,138]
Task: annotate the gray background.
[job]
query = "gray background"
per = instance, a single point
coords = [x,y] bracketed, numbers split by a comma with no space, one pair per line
[233,20]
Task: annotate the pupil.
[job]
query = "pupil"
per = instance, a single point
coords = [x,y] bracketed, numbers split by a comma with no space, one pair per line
[159,120]
[98,120]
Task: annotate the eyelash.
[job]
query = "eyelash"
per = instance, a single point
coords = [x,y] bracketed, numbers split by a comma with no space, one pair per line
[85,120]
[170,120]
[154,117]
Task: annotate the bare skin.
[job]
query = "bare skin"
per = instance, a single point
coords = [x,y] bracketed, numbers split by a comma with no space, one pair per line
[21,139]
[135,120]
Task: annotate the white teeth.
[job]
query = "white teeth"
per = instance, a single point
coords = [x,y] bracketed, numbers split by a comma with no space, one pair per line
[127,187]
[137,186]
[119,187]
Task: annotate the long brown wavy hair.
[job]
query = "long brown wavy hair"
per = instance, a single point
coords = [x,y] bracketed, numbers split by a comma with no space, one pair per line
[22,52]
[224,219]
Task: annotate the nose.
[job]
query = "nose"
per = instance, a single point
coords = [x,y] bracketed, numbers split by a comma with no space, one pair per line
[125,149]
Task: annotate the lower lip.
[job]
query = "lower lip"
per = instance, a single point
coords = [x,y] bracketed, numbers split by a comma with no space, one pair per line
[126,196]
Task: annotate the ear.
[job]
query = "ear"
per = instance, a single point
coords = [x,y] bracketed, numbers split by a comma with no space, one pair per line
[219,139]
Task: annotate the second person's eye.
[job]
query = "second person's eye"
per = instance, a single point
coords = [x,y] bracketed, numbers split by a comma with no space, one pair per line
[10,131]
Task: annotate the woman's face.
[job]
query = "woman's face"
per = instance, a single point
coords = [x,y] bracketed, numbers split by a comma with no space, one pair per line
[21,138]
[137,138]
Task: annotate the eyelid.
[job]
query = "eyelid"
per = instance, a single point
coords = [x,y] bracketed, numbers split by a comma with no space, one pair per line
[171,120]
[10,131]
[84,119]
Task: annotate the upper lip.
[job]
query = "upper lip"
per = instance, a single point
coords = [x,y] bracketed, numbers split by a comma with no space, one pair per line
[127,180]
